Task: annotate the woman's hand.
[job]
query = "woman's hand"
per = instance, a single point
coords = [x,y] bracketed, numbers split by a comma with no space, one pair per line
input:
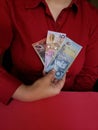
[42,88]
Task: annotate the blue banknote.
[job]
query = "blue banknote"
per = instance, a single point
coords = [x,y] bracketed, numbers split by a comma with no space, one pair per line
[63,59]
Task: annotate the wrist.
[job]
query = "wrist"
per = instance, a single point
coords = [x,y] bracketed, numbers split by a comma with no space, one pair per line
[22,93]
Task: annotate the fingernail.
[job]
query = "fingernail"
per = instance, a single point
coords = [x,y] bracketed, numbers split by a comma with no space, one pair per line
[53,70]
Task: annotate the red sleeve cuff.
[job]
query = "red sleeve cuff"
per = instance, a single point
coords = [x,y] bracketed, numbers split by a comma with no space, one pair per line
[8,85]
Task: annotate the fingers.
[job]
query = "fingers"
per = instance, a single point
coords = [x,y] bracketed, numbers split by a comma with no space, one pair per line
[50,79]
[60,83]
[50,76]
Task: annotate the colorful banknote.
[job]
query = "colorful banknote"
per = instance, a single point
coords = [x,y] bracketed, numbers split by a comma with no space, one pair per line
[39,47]
[53,43]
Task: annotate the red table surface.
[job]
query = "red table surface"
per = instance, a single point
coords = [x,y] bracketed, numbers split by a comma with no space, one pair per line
[66,111]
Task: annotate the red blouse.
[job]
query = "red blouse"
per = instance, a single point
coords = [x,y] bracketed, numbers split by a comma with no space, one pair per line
[23,22]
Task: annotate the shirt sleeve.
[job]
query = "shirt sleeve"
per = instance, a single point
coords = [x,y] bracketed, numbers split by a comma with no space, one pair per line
[89,73]
[8,83]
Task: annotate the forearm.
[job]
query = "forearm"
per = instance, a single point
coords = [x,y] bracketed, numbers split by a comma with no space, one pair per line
[28,93]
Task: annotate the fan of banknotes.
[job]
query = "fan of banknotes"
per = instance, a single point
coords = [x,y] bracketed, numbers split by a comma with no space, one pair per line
[57,51]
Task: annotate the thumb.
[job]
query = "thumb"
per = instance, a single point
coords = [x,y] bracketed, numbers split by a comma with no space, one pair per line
[51,75]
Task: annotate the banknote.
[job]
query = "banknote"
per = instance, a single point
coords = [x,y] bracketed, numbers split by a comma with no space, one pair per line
[40,47]
[53,43]
[64,58]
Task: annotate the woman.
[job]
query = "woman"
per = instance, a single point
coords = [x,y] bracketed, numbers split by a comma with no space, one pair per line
[24,22]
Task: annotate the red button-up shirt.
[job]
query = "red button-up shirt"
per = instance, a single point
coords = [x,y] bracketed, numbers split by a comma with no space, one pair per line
[24,22]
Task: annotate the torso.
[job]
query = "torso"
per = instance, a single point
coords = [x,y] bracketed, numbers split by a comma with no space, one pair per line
[30,27]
